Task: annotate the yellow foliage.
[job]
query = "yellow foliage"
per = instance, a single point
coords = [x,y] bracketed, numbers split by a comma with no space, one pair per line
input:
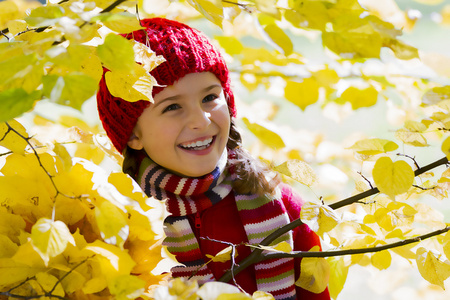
[373,146]
[298,170]
[392,178]
[302,93]
[432,267]
[320,218]
[315,274]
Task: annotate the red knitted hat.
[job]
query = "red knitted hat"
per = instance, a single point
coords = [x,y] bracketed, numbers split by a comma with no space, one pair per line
[186,50]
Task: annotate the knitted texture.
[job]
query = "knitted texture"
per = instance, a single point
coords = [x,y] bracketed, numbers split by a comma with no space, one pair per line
[260,216]
[185,49]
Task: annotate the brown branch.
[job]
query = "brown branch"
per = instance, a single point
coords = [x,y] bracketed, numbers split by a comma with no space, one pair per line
[256,254]
[331,253]
[50,176]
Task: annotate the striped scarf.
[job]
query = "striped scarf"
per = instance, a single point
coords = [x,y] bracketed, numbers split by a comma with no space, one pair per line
[260,215]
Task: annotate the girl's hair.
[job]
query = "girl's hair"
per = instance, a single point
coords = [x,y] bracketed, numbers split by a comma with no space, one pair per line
[251,173]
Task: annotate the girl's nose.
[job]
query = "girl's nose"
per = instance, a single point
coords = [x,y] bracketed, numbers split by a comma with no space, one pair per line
[199,118]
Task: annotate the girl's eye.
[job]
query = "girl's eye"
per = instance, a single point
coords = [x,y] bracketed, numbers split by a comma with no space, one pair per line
[171,107]
[210,98]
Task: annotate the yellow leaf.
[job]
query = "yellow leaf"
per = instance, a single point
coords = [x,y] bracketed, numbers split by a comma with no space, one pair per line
[113,260]
[7,247]
[302,93]
[260,295]
[446,147]
[280,38]
[112,223]
[131,87]
[353,44]
[122,22]
[146,57]
[402,50]
[13,272]
[338,275]
[431,267]
[117,53]
[230,44]
[73,280]
[315,273]
[392,178]
[415,139]
[50,283]
[212,10]
[95,285]
[126,287]
[125,185]
[264,134]
[360,97]
[13,136]
[298,170]
[280,247]
[16,26]
[50,238]
[320,218]
[381,260]
[268,7]
[222,256]
[373,146]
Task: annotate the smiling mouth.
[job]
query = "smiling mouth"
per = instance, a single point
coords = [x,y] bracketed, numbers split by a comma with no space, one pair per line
[198,145]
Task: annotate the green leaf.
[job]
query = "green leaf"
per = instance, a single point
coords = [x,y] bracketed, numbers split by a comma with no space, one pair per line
[15,102]
[116,53]
[70,90]
[45,15]
[303,93]
[265,135]
[392,178]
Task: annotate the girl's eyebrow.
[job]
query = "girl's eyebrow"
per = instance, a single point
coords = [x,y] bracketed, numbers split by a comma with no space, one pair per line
[176,97]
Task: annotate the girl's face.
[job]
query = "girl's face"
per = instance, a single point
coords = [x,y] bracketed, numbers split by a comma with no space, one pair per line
[186,129]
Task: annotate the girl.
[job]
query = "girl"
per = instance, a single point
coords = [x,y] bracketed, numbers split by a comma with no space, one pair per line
[184,148]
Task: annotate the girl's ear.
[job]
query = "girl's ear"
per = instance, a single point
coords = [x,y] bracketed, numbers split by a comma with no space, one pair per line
[135,142]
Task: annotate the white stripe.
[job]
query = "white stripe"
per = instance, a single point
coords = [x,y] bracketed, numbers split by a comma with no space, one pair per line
[181,205]
[180,186]
[276,263]
[277,285]
[192,187]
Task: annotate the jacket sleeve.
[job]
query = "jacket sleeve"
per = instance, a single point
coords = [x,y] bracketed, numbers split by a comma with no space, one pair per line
[304,239]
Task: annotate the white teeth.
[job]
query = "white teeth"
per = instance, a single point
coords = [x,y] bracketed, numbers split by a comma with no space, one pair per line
[198,144]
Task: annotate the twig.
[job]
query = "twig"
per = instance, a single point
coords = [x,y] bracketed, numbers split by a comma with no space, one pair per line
[331,253]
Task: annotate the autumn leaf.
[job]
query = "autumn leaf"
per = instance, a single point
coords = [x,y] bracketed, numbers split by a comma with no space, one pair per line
[117,53]
[50,238]
[392,178]
[298,170]
[302,93]
[320,218]
[131,86]
[373,146]
[431,267]
[267,136]
[223,255]
[315,273]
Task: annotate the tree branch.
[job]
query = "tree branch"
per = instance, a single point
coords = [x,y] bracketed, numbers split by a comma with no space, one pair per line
[331,253]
